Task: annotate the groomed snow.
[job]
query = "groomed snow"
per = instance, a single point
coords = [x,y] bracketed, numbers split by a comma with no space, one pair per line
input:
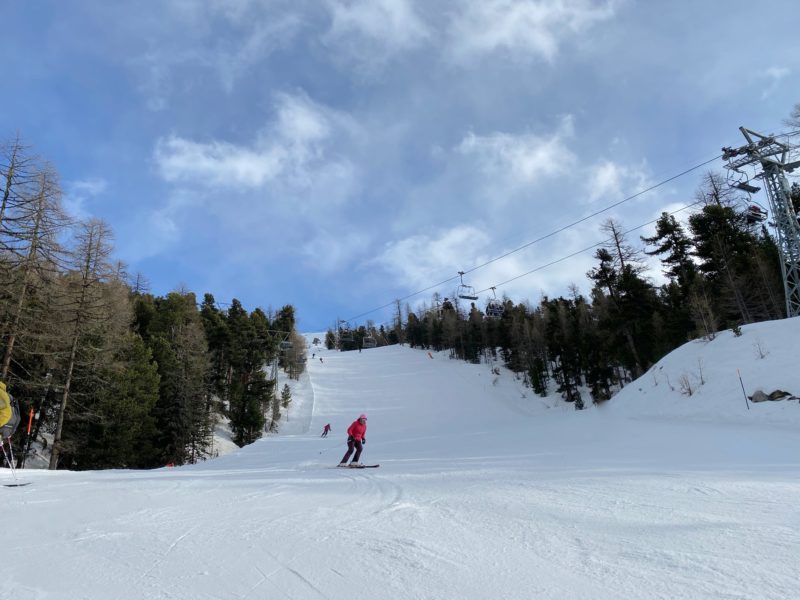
[484,491]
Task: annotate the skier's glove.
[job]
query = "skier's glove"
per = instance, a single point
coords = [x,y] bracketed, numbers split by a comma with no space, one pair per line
[350,439]
[363,440]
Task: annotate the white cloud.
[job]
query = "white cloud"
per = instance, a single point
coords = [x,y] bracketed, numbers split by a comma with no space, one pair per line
[523,29]
[264,38]
[369,32]
[79,192]
[295,150]
[610,181]
[420,260]
[216,163]
[521,158]
[329,251]
[186,36]
[774,76]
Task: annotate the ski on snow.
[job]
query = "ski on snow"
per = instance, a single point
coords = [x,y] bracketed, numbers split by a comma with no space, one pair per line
[358,467]
[17,484]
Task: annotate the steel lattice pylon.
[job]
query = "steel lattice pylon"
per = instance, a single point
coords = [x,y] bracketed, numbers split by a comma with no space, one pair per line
[772,156]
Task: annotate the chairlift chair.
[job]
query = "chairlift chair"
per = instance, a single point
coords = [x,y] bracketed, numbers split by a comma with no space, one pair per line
[494,308]
[286,345]
[467,292]
[755,214]
[369,342]
[746,187]
[345,334]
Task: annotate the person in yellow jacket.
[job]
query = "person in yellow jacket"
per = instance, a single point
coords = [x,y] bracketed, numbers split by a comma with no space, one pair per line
[5,405]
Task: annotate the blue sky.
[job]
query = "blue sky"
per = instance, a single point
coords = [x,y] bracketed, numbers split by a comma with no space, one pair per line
[337,154]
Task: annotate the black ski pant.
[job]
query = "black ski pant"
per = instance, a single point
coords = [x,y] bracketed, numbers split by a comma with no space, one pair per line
[353,445]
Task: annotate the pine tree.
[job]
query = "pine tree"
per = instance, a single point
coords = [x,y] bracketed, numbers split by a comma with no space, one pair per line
[725,249]
[330,340]
[675,248]
[626,302]
[182,413]
[286,396]
[117,426]
[39,221]
[84,308]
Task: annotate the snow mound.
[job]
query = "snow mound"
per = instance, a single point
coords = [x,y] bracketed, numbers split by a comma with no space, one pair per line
[700,380]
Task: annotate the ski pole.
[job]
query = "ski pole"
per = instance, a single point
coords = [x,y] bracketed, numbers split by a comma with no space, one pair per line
[11,451]
[5,454]
[743,392]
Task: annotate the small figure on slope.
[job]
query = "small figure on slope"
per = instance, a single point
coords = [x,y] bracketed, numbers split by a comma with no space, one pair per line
[325,430]
[355,441]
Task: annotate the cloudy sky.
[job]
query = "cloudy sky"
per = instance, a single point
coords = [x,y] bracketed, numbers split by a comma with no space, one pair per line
[337,154]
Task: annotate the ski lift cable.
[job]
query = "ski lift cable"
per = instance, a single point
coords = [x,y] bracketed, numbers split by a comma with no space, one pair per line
[542,238]
[581,251]
[592,215]
[576,253]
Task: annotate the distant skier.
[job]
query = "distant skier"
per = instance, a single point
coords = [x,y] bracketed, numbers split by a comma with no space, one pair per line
[326,430]
[313,355]
[320,359]
[355,440]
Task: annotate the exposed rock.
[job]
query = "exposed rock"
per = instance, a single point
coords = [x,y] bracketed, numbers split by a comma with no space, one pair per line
[760,396]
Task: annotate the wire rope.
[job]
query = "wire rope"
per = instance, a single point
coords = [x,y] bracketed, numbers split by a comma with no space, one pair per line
[541,238]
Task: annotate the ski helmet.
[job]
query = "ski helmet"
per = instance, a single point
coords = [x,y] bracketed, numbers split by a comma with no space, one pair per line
[362,417]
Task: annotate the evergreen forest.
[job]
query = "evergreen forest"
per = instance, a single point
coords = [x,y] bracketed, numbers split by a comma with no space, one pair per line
[106,374]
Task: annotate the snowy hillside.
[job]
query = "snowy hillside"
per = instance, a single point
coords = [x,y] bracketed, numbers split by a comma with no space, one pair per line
[484,491]
[766,356]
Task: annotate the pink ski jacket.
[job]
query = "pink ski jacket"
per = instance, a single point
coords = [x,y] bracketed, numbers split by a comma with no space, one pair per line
[357,430]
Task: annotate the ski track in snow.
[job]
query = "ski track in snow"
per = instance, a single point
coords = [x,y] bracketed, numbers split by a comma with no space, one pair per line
[480,493]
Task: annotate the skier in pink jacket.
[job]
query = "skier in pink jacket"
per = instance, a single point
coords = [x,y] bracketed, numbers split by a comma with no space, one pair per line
[355,440]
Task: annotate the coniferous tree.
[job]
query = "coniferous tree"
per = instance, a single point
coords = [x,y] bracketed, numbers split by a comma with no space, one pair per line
[218,338]
[724,248]
[615,296]
[178,343]
[251,348]
[116,427]
[675,249]
[286,396]
[84,308]
[39,221]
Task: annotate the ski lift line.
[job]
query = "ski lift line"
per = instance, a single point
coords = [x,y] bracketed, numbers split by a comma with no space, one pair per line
[594,214]
[598,244]
[544,237]
[417,293]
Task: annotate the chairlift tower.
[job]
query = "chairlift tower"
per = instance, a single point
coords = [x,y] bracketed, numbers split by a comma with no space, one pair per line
[772,156]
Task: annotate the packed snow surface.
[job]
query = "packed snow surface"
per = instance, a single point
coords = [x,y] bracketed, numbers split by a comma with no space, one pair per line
[484,491]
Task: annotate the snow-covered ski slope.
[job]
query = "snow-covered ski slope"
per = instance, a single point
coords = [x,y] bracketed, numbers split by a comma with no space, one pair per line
[482,493]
